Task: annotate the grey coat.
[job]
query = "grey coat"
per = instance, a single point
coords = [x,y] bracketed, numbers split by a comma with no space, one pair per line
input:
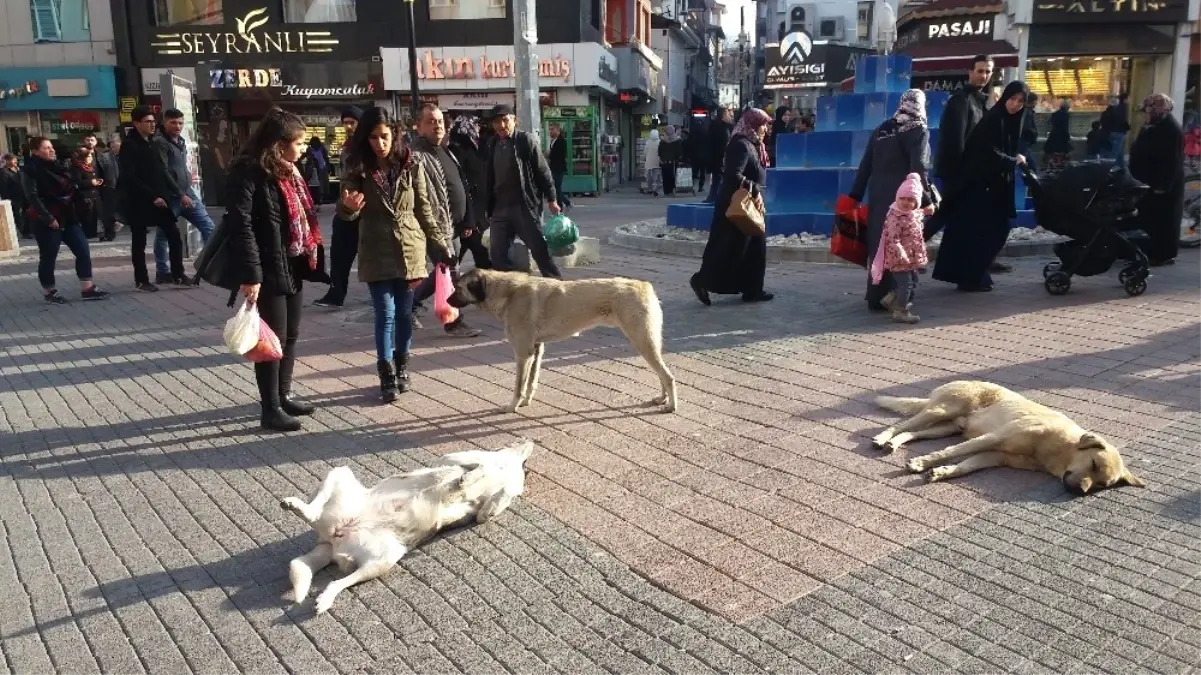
[885,164]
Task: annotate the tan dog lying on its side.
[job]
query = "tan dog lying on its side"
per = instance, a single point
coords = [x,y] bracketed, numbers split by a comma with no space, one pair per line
[1003,428]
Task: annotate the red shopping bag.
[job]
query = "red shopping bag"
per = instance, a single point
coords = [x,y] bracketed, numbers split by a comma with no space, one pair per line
[849,237]
[444,286]
[268,348]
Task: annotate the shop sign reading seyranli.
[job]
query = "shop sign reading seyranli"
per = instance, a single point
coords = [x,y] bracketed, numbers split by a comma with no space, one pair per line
[251,35]
[1110,11]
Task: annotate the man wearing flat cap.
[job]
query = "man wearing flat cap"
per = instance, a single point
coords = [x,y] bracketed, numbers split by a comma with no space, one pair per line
[518,182]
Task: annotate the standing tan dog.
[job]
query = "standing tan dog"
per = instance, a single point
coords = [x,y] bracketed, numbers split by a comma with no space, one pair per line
[1003,428]
[536,311]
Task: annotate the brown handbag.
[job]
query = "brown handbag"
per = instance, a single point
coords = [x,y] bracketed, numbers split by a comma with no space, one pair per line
[745,214]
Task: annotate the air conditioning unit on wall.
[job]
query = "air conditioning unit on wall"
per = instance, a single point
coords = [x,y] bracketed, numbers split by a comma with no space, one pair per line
[833,28]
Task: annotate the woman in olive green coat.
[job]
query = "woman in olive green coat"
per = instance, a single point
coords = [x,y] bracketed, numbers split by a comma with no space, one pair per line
[384,192]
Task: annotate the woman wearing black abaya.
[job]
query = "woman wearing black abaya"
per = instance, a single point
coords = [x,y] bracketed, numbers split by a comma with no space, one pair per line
[970,245]
[898,147]
[1157,159]
[734,262]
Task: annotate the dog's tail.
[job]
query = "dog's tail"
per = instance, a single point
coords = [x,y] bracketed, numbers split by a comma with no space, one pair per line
[905,406]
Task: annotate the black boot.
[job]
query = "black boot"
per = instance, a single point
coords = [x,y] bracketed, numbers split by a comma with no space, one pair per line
[402,373]
[274,418]
[286,402]
[387,381]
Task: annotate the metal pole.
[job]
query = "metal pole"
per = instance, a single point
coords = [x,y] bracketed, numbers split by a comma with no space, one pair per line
[525,66]
[414,91]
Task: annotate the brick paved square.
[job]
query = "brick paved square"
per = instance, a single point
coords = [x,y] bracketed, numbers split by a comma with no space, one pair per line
[756,530]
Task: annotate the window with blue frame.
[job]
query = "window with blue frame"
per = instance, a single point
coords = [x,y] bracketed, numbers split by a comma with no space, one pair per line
[60,20]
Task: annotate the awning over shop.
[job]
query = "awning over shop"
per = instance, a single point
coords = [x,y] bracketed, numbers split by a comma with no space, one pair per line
[1101,40]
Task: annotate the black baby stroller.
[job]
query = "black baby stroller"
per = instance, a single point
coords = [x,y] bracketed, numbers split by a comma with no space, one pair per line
[1095,204]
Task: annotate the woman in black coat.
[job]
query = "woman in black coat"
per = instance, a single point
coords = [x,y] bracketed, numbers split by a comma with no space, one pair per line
[87,190]
[971,244]
[1157,159]
[464,143]
[274,238]
[1057,150]
[734,262]
[898,147]
[50,212]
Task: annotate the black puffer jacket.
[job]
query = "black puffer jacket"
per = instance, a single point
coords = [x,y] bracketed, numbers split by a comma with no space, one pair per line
[257,218]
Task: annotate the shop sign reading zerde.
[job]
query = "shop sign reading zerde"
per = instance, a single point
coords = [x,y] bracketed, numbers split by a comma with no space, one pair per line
[1110,11]
[351,80]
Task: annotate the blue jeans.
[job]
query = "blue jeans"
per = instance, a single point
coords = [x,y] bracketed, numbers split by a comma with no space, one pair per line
[49,242]
[1117,148]
[392,301]
[197,215]
[563,199]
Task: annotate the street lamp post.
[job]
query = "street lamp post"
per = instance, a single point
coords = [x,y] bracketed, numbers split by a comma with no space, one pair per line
[414,91]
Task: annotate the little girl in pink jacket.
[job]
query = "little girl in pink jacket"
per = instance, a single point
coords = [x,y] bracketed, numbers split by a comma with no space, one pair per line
[902,249]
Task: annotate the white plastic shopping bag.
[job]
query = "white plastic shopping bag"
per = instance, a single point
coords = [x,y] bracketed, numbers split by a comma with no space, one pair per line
[242,330]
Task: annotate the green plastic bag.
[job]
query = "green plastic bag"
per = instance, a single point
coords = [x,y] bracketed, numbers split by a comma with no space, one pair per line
[560,232]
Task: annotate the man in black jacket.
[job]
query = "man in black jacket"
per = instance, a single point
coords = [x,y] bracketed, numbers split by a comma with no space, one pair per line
[12,189]
[517,182]
[719,138]
[556,158]
[106,170]
[145,191]
[962,114]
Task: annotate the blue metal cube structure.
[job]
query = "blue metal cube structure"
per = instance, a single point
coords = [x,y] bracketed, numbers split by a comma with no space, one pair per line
[813,169]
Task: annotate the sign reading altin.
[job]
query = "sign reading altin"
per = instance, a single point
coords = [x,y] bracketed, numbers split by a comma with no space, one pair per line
[248,37]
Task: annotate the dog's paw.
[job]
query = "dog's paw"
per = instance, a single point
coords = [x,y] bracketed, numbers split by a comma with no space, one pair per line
[939,473]
[293,504]
[880,441]
[892,445]
[916,465]
[324,601]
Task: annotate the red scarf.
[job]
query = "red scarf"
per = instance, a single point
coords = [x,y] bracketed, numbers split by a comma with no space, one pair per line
[303,225]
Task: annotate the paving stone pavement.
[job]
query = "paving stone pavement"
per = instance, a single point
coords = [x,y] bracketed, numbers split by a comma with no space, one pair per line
[754,531]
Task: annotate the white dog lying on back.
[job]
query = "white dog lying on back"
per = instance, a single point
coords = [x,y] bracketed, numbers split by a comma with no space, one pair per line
[370,530]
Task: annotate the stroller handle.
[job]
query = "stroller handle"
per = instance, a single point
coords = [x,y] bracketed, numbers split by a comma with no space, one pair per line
[1028,174]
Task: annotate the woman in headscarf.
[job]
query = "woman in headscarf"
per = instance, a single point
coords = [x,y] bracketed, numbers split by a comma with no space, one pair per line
[734,262]
[1057,150]
[898,147]
[970,245]
[650,164]
[779,127]
[1157,159]
[671,151]
[464,143]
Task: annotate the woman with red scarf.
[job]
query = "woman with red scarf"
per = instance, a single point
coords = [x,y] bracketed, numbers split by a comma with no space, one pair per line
[50,212]
[275,238]
[87,190]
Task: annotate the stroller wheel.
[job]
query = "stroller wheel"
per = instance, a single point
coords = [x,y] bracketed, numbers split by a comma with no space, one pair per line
[1058,283]
[1124,276]
[1050,268]
[1135,286]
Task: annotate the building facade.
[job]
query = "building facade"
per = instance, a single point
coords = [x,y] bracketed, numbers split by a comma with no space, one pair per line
[1090,51]
[57,71]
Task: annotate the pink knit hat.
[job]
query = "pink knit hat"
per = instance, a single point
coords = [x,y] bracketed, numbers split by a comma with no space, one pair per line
[911,187]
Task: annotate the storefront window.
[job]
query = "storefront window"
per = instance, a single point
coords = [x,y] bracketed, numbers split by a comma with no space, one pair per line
[60,20]
[466,9]
[319,11]
[1090,83]
[188,12]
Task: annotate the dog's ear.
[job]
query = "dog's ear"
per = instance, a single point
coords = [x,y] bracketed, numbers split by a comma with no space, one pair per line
[1090,441]
[1130,479]
[475,286]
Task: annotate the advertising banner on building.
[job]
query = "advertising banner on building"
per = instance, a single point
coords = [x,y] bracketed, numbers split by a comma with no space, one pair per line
[797,61]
